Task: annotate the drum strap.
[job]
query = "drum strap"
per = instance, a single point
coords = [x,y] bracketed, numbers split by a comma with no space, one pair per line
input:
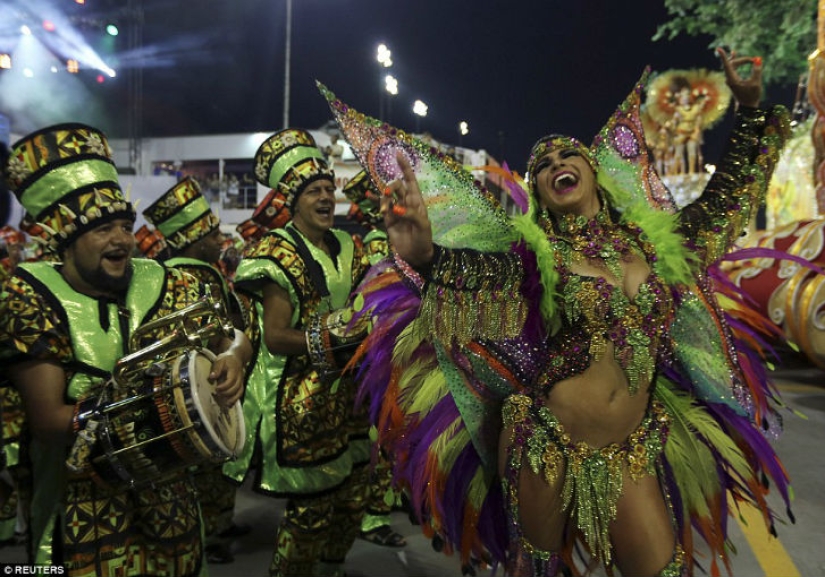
[316,273]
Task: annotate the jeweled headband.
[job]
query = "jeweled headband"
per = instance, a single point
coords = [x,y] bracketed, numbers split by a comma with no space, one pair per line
[552,142]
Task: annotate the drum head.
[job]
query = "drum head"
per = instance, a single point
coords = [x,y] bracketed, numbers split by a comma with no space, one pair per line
[225,426]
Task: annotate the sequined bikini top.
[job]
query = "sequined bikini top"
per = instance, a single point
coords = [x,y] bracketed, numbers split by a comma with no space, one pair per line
[595,312]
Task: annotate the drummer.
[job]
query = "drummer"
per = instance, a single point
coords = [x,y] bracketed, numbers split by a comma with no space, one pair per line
[184,219]
[63,326]
[301,424]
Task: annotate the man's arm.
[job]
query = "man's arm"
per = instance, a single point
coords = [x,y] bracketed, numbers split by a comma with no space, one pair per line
[42,387]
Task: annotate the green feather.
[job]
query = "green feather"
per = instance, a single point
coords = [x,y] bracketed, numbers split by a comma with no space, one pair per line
[536,239]
[431,387]
[692,431]
[674,261]
[408,341]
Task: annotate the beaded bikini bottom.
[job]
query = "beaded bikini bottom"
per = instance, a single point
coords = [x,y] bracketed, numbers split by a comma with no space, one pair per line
[592,476]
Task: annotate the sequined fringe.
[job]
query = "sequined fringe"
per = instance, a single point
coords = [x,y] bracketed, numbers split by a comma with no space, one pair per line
[473,296]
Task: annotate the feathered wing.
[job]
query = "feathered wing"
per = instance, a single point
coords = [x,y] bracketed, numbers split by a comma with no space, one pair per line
[463,213]
[436,409]
[723,404]
[626,169]
[435,404]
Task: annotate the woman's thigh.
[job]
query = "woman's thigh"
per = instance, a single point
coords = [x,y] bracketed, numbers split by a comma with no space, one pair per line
[642,534]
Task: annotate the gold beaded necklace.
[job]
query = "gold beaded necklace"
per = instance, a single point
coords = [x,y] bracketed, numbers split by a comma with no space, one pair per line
[596,241]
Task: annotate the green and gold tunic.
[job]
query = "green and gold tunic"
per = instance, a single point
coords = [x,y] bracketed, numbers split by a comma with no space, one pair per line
[148,531]
[308,432]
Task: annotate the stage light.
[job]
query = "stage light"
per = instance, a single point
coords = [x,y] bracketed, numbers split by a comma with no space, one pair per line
[100,78]
[80,1]
[25,30]
[28,72]
[48,25]
[111,30]
[72,66]
[5,61]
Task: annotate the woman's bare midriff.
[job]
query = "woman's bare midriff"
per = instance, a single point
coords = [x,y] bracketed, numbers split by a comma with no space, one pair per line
[596,406]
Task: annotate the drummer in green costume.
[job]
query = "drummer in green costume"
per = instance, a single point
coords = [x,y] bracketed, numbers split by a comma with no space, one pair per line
[63,327]
[313,448]
[192,231]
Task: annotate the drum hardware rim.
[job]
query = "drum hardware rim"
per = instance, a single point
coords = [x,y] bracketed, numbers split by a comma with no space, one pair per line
[215,446]
[110,453]
[189,328]
[184,336]
[111,456]
[140,444]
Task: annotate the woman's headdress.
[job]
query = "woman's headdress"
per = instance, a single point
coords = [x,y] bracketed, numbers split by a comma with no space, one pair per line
[364,209]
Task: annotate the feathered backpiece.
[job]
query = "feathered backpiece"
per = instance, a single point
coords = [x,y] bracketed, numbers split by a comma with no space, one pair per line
[462,211]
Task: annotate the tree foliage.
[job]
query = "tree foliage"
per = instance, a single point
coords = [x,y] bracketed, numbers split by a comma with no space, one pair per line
[781,31]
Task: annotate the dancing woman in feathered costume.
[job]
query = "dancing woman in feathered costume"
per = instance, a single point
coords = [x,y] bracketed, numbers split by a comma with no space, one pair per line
[563,381]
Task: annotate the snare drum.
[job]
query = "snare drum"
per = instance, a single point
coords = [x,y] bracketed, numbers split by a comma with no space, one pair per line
[170,421]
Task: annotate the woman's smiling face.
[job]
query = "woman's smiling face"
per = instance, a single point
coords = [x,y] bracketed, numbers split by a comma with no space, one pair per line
[564,182]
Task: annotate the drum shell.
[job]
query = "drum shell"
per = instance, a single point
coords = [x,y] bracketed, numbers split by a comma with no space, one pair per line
[153,429]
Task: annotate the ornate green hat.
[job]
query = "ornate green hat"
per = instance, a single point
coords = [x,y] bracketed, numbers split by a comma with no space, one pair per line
[182,214]
[65,178]
[288,161]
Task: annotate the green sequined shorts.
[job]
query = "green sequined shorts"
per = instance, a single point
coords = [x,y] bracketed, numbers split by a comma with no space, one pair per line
[592,477]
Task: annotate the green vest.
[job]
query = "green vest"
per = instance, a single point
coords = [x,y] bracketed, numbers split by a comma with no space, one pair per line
[98,349]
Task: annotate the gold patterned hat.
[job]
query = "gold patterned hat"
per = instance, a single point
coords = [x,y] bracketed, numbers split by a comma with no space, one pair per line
[65,178]
[356,190]
[250,230]
[272,211]
[288,161]
[182,214]
[150,241]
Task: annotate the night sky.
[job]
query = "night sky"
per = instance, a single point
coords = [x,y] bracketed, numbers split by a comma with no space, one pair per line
[513,70]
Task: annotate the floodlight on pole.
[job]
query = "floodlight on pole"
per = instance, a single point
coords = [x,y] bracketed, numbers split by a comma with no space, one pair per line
[112,29]
[384,56]
[463,130]
[420,110]
[391,84]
